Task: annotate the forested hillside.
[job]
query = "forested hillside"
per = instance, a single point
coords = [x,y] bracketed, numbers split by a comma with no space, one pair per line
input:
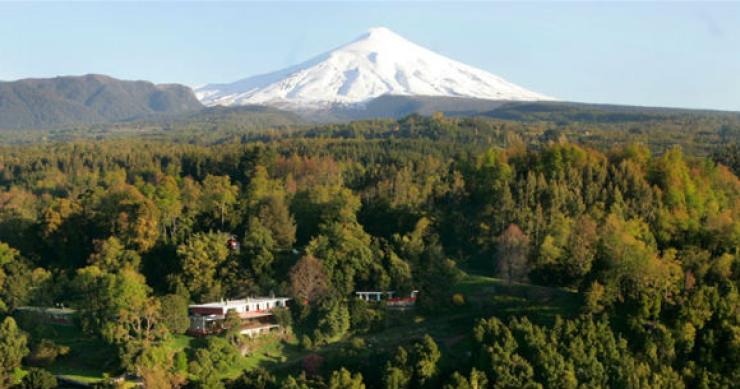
[62,102]
[546,254]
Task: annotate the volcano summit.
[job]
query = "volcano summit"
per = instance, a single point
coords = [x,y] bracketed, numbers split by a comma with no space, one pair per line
[378,63]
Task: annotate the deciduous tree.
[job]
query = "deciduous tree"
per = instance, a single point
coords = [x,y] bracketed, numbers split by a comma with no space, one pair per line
[308,279]
[12,350]
[511,249]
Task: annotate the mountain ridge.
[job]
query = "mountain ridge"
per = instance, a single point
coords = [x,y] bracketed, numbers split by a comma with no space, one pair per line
[87,99]
[396,107]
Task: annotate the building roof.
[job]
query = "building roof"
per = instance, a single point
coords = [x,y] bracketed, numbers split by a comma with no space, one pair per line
[226,304]
[49,310]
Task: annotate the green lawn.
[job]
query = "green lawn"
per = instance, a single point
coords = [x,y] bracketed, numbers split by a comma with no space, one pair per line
[272,352]
[88,359]
[486,296]
[179,342]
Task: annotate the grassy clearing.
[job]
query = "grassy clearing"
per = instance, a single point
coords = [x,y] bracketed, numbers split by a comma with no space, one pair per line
[179,342]
[272,350]
[267,351]
[451,328]
[89,359]
[486,296]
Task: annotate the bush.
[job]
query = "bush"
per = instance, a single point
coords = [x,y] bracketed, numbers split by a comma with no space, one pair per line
[38,379]
[283,317]
[358,343]
[365,318]
[258,378]
[458,299]
[108,383]
[45,352]
[312,364]
[180,362]
[210,361]
[306,342]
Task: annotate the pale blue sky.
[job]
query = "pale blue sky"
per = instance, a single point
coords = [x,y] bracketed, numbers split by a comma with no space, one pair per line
[658,54]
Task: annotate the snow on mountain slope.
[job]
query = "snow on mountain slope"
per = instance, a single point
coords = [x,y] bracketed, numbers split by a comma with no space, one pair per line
[378,63]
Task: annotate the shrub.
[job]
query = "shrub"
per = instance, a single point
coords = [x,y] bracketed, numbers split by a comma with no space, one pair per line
[306,342]
[38,379]
[365,318]
[45,352]
[283,317]
[358,343]
[458,299]
[312,364]
[108,383]
[180,362]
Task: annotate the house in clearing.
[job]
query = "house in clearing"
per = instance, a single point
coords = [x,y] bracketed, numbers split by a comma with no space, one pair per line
[389,297]
[255,312]
[59,315]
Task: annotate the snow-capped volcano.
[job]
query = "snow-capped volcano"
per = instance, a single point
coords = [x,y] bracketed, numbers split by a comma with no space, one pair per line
[378,63]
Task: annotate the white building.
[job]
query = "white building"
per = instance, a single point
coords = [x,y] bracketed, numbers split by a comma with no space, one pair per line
[255,312]
[389,297]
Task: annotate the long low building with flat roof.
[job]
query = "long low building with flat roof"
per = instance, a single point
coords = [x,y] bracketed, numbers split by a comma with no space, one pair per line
[389,297]
[255,312]
[51,315]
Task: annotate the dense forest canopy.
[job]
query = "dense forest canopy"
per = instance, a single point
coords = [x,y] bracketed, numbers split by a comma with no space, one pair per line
[639,219]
